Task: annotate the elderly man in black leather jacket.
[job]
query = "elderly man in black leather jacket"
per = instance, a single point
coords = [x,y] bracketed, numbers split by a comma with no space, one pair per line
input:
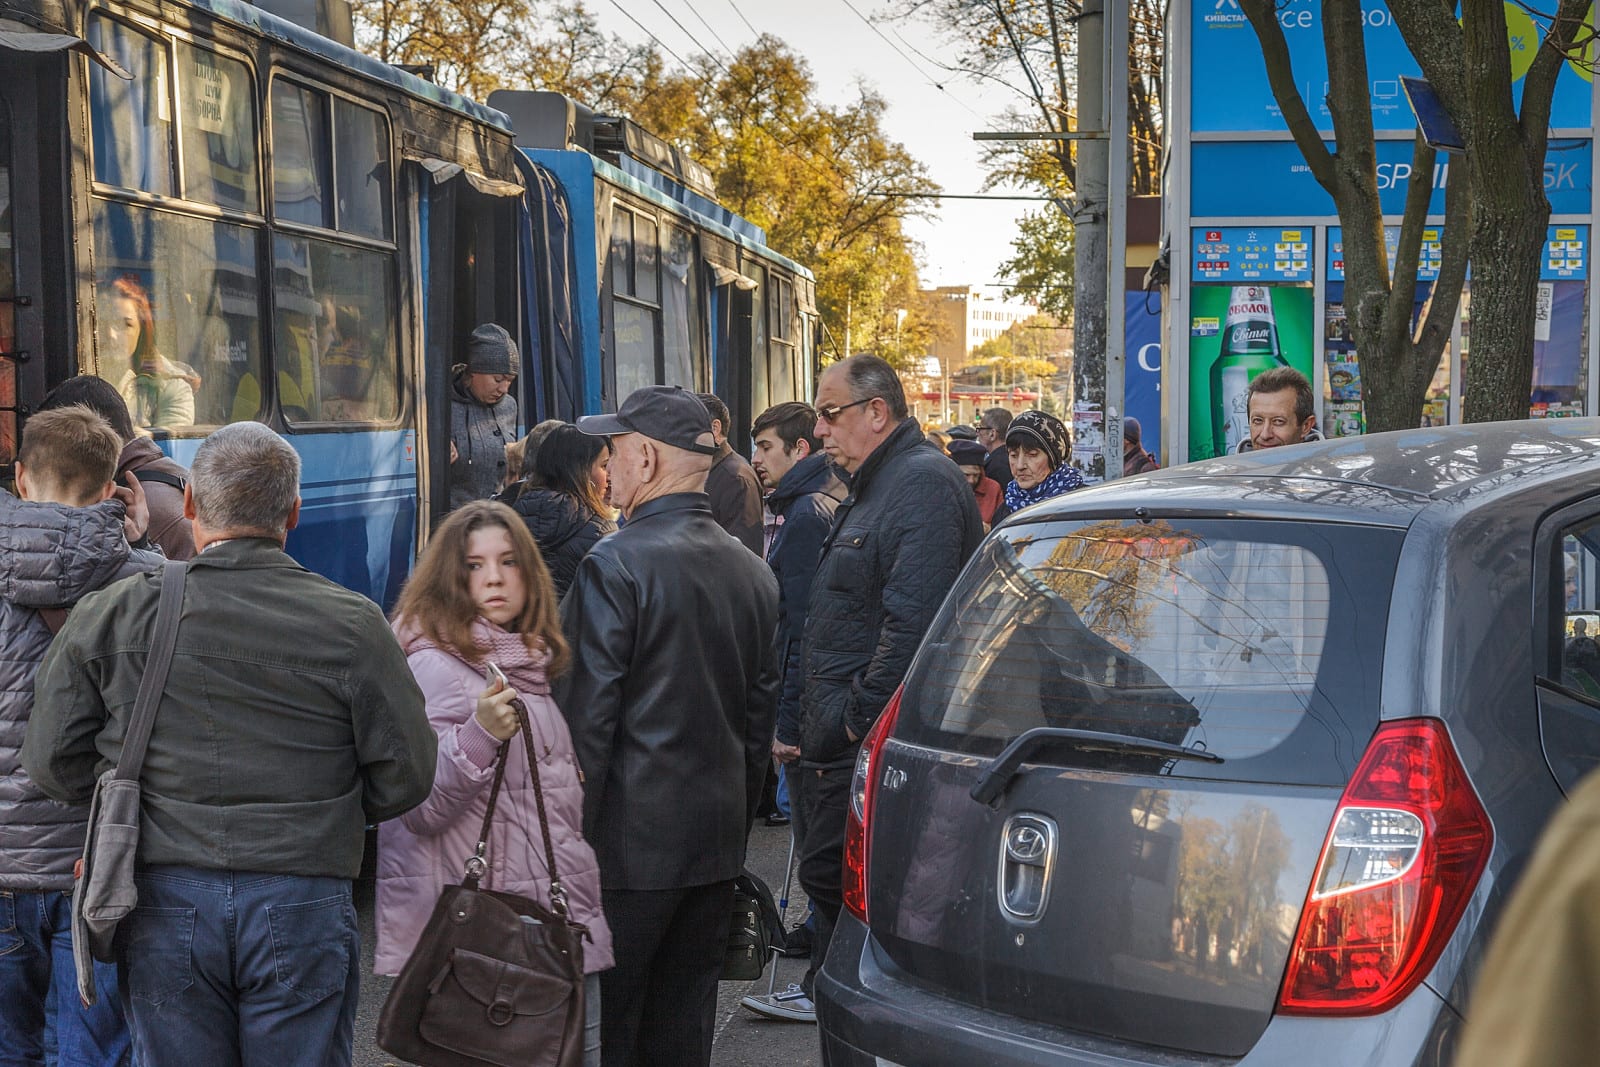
[898,542]
[671,702]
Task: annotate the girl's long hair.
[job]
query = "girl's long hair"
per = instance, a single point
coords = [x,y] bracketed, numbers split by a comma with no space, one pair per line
[563,464]
[437,599]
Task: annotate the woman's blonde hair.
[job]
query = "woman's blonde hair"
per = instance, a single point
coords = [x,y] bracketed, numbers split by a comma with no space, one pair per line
[437,599]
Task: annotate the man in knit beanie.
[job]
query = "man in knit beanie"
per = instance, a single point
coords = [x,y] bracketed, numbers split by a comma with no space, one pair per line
[483,414]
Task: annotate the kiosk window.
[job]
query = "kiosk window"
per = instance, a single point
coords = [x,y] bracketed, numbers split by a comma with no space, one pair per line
[8,292]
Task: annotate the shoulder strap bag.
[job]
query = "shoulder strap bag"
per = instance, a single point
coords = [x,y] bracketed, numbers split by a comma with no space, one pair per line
[104,892]
[496,979]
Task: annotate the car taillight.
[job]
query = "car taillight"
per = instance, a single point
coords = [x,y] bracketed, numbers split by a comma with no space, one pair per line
[858,816]
[1398,867]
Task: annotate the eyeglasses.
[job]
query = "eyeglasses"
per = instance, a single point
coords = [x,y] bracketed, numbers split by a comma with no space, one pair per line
[830,414]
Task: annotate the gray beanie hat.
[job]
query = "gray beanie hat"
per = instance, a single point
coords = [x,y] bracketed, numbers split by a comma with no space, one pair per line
[491,350]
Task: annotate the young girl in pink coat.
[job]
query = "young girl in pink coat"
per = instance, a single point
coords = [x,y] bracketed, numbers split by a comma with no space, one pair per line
[481,594]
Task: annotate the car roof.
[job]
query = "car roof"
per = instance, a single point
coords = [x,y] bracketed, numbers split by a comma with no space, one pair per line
[1384,478]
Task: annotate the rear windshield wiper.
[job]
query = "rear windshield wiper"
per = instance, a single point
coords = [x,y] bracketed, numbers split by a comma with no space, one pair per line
[1004,767]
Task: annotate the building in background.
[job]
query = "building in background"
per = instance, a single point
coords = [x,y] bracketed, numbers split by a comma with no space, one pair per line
[964,317]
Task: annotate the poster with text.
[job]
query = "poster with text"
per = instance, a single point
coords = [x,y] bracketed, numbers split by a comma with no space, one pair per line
[1235,333]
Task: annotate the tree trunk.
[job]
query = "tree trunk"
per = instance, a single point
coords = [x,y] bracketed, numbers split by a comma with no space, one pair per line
[1507,248]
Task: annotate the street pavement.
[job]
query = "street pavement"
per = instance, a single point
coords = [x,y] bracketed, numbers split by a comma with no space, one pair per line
[743,1039]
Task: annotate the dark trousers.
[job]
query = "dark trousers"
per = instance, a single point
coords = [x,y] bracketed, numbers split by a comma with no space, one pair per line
[238,969]
[823,796]
[38,988]
[661,997]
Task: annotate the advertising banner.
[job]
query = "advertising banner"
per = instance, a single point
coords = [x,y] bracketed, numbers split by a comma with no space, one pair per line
[1255,179]
[1235,333]
[1142,381]
[1227,54]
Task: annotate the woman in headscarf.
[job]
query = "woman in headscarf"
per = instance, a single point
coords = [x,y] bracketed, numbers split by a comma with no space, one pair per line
[1038,445]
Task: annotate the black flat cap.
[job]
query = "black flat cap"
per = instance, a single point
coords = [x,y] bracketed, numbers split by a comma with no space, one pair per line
[665,413]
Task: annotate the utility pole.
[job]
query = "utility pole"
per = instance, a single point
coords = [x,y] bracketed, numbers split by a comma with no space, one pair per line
[1117,152]
[1089,215]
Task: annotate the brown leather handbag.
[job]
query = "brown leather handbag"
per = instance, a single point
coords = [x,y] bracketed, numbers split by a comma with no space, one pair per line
[496,979]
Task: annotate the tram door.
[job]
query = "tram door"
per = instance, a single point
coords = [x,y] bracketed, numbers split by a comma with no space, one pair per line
[472,279]
[36,310]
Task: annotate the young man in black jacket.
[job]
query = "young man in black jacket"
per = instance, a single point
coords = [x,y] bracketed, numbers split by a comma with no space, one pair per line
[732,485]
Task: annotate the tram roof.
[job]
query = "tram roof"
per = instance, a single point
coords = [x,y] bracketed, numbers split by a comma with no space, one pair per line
[662,191]
[270,25]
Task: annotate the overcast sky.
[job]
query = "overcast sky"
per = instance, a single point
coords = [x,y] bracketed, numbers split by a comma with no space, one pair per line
[967,240]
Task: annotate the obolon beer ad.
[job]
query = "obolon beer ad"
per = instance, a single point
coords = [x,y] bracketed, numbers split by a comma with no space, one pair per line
[1235,333]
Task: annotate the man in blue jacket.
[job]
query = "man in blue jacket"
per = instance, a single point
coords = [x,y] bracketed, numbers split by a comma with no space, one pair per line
[805,492]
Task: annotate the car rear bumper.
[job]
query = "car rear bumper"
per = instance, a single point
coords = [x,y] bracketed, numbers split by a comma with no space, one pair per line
[870,1018]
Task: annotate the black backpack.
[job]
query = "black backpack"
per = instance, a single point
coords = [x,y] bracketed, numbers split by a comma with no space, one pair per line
[755,929]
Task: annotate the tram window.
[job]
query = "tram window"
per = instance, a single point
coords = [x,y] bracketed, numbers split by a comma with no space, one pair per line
[334,346]
[760,387]
[131,120]
[677,309]
[645,257]
[621,251]
[177,313]
[216,102]
[781,307]
[301,155]
[362,136]
[634,334]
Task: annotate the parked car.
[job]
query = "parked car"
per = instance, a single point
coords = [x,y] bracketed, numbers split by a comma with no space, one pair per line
[1231,762]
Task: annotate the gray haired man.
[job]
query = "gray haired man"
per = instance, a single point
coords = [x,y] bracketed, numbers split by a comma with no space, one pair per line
[289,722]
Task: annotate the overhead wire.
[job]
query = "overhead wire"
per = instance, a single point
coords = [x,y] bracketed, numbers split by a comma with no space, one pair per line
[696,12]
[913,63]
[839,168]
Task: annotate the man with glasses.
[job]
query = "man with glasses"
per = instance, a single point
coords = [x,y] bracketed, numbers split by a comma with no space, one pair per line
[897,543]
[992,436]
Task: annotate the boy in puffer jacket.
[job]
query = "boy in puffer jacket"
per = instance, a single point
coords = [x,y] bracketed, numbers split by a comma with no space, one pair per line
[65,538]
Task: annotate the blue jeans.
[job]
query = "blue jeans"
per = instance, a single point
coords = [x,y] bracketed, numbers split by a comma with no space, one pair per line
[242,969]
[37,981]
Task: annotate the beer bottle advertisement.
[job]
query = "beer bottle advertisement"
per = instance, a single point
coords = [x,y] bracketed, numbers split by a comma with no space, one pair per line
[1235,333]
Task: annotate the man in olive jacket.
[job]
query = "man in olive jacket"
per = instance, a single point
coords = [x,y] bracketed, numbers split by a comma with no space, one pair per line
[289,722]
[897,544]
[671,698]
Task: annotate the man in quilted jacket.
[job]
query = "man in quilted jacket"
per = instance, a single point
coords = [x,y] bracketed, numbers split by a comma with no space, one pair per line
[898,541]
[64,539]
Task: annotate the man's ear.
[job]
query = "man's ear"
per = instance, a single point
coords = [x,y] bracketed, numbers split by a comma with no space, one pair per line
[290,523]
[188,502]
[107,491]
[649,459]
[802,448]
[22,481]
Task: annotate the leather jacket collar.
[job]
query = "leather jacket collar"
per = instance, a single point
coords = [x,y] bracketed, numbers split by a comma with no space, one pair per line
[671,502]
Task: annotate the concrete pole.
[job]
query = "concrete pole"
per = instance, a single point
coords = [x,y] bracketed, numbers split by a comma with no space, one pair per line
[1089,241]
[1117,160]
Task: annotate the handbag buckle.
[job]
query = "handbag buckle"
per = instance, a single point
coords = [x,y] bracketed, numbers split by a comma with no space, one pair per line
[477,866]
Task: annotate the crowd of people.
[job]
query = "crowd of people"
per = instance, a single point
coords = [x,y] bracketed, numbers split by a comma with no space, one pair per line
[670,622]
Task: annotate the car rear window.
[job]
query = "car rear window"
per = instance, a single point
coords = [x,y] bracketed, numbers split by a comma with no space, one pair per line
[1256,641]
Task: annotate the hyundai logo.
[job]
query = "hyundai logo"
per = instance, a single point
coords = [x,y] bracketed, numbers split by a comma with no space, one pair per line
[1027,843]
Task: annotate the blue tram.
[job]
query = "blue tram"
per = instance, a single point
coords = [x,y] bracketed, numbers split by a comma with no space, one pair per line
[231,216]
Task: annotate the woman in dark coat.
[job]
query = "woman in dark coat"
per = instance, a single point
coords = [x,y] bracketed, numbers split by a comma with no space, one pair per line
[564,502]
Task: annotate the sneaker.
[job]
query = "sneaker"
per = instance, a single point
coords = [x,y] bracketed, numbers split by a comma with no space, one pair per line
[777,818]
[797,945]
[791,1005]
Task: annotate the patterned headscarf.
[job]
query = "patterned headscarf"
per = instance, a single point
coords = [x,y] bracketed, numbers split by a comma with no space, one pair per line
[1039,430]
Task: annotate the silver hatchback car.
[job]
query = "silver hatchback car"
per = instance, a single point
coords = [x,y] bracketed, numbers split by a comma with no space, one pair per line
[1235,762]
